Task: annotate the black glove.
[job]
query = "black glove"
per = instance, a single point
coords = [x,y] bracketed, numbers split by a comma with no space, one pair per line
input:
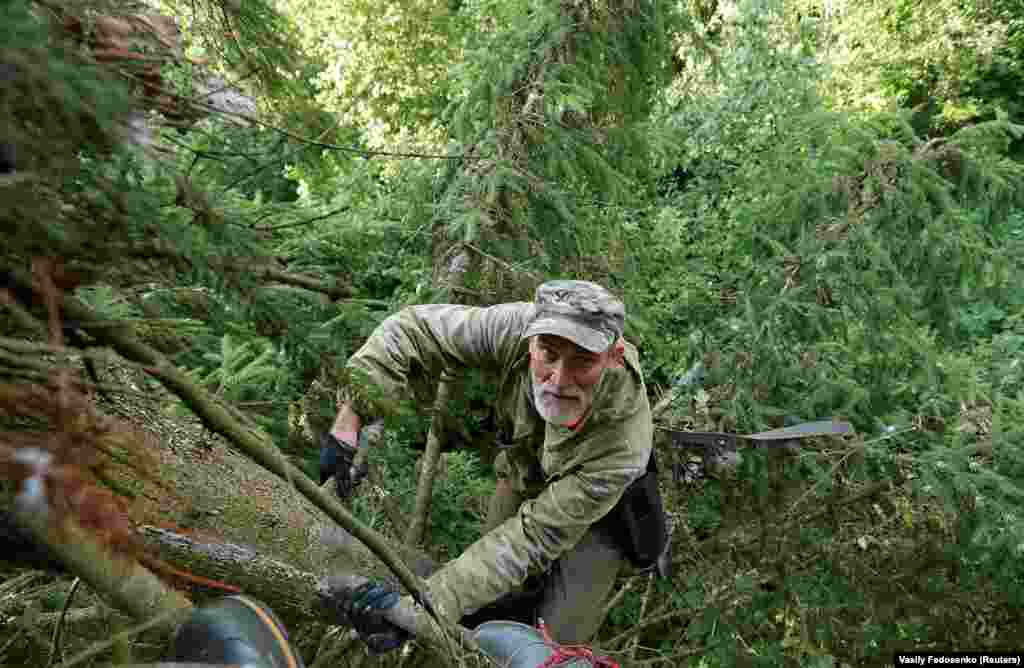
[363,608]
[337,459]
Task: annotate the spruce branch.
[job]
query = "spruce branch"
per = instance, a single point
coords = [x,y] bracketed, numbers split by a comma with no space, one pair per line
[164,251]
[302,223]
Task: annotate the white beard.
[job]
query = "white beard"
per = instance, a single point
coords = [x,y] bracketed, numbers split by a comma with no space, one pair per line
[557,411]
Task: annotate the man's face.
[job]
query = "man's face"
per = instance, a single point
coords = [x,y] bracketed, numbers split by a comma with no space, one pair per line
[565,377]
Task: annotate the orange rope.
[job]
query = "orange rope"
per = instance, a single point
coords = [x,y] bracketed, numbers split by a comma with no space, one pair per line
[565,653]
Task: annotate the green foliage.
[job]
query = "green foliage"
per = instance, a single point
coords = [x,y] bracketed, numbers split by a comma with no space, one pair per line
[386,63]
[953,63]
[459,499]
[844,243]
[61,123]
[824,204]
[238,368]
[252,40]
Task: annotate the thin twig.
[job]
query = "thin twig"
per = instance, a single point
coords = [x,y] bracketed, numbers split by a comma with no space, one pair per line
[258,404]
[391,509]
[308,221]
[616,599]
[13,639]
[646,624]
[724,535]
[643,614]
[501,263]
[76,616]
[12,585]
[59,628]
[673,659]
[267,165]
[818,483]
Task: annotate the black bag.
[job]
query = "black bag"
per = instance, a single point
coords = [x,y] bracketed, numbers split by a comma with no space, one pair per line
[638,520]
[521,605]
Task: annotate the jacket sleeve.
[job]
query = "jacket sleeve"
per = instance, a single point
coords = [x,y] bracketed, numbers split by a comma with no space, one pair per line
[412,348]
[545,527]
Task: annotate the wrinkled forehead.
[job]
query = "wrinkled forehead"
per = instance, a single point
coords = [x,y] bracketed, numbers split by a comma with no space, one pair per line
[561,345]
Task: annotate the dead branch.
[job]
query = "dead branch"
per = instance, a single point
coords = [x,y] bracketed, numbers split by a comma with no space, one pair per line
[55,644]
[643,615]
[648,623]
[428,471]
[154,250]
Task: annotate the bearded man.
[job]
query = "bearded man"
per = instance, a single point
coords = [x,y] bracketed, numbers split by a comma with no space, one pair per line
[575,431]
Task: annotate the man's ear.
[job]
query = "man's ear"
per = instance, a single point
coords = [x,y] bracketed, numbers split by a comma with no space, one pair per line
[618,353]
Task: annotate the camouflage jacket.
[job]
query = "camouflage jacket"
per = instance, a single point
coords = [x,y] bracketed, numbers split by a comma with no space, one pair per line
[572,477]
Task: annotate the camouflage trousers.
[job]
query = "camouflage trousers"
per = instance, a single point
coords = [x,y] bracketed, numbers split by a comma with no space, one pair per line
[578,584]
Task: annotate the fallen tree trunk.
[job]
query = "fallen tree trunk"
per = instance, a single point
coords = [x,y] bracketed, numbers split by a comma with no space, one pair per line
[290,592]
[218,419]
[296,596]
[140,594]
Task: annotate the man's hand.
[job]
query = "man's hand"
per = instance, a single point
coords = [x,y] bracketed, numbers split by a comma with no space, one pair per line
[363,608]
[337,459]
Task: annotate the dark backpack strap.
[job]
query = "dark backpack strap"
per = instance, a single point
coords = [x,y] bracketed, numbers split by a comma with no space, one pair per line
[638,520]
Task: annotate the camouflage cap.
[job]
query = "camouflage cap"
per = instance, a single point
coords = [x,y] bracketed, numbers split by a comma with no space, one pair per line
[583,312]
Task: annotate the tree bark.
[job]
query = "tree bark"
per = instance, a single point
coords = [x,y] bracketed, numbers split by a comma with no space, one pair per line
[292,593]
[289,591]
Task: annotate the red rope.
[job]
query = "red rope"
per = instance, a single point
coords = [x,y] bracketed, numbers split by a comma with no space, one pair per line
[565,653]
